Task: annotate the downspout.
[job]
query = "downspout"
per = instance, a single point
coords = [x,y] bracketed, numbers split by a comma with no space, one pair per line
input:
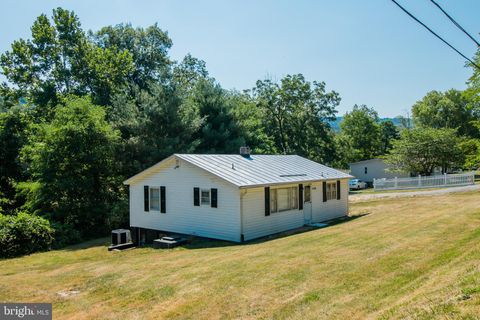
[242,193]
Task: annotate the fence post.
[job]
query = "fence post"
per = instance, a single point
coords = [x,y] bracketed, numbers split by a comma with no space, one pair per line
[445,178]
[419,180]
[373,183]
[396,183]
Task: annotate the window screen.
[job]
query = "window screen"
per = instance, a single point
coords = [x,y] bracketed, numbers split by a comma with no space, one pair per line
[155,198]
[205,197]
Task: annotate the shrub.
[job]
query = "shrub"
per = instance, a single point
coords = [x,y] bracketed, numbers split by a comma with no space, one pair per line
[65,234]
[118,215]
[24,234]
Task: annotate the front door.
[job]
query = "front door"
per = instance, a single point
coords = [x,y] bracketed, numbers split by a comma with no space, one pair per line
[307,205]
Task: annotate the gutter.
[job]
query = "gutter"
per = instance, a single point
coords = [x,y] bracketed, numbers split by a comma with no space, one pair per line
[290,182]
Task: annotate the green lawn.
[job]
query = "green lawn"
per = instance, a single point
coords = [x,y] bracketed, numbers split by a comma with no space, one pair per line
[398,259]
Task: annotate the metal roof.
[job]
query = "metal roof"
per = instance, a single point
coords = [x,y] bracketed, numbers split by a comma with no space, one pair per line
[259,170]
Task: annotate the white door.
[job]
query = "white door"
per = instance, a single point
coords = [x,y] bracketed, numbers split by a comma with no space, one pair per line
[307,204]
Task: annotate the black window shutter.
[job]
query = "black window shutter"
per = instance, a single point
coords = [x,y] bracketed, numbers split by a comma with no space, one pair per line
[324,189]
[196,197]
[338,190]
[163,207]
[267,201]
[300,197]
[213,195]
[146,204]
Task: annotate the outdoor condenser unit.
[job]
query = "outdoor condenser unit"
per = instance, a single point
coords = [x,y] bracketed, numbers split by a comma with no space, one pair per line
[121,236]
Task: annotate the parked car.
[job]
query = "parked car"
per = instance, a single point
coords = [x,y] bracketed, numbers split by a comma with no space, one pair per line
[357,184]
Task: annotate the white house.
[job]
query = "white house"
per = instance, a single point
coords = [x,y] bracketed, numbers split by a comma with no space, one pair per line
[235,197]
[370,169]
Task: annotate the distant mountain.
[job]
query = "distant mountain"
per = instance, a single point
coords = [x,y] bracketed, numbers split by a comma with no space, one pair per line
[336,123]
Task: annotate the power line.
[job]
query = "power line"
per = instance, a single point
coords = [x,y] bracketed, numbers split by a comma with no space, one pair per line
[456,23]
[436,35]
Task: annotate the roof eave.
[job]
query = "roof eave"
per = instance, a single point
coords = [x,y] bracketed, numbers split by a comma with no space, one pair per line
[146,171]
[367,160]
[291,182]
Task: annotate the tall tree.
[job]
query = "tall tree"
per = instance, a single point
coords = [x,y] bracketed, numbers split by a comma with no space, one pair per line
[421,150]
[250,119]
[219,132]
[361,129]
[297,114]
[14,124]
[59,60]
[449,109]
[188,72]
[472,93]
[470,148]
[154,123]
[389,132]
[71,162]
[148,47]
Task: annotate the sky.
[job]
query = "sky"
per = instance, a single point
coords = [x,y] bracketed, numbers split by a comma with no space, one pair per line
[369,51]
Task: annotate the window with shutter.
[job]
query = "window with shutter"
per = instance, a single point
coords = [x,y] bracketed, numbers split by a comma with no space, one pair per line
[205,197]
[154,198]
[331,190]
[283,199]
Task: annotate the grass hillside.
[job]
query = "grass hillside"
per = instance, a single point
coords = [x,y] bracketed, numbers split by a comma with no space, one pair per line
[399,259]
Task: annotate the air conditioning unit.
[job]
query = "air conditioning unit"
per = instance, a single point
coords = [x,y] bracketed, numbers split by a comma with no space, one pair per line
[121,236]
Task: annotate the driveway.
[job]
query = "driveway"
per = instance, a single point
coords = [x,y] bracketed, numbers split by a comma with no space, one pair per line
[413,193]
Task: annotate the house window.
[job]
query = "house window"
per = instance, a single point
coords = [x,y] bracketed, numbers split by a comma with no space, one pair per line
[331,190]
[366,170]
[155,198]
[205,197]
[273,200]
[306,192]
[283,199]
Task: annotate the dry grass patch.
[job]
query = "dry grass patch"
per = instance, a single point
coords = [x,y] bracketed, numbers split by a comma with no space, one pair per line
[411,258]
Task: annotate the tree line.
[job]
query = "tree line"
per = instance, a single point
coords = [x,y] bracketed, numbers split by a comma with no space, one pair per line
[84,110]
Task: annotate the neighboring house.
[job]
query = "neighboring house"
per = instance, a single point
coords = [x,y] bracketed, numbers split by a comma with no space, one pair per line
[235,197]
[367,170]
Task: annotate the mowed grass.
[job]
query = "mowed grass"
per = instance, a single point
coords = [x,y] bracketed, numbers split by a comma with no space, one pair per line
[400,259]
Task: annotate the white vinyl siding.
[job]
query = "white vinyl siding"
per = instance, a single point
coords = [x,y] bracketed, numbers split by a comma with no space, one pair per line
[323,211]
[183,217]
[373,169]
[256,224]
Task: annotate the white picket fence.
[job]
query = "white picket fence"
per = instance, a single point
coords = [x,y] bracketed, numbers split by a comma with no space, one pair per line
[445,180]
